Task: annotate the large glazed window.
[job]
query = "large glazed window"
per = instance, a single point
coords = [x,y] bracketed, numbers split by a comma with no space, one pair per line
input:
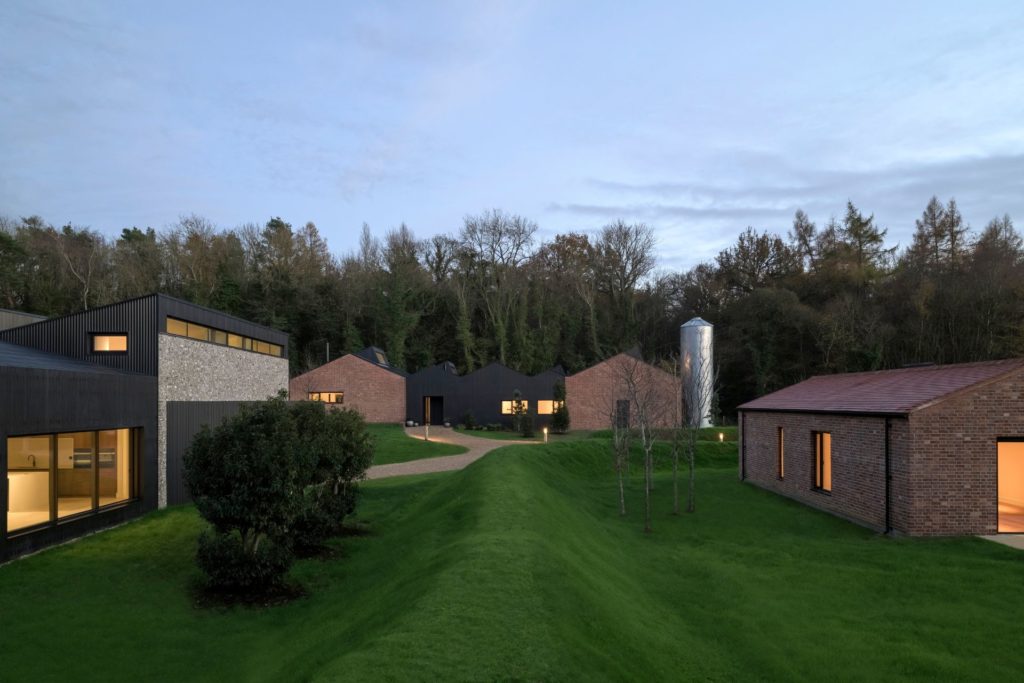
[1011,486]
[822,461]
[28,481]
[327,396]
[55,476]
[182,328]
[76,478]
[509,407]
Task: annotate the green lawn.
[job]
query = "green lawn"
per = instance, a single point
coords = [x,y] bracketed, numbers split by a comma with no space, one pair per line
[393,445]
[515,436]
[519,567]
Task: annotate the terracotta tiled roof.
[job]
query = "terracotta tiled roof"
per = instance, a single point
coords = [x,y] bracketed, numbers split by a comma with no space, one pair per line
[885,391]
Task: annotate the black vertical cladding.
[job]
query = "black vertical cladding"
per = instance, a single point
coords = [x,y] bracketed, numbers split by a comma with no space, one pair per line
[47,401]
[480,392]
[142,319]
[70,335]
[184,420]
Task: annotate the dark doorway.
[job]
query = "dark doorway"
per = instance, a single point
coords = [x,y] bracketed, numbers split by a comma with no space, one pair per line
[433,410]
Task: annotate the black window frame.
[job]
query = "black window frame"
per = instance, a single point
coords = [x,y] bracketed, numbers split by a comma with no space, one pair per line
[92,343]
[135,480]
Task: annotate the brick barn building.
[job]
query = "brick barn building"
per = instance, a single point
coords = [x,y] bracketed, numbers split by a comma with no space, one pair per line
[595,394]
[364,381]
[923,451]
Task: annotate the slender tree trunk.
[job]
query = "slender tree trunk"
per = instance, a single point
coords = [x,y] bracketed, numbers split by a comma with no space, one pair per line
[691,504]
[675,479]
[647,489]
[622,493]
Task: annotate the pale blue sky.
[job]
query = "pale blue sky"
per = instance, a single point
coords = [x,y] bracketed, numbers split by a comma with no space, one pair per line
[697,119]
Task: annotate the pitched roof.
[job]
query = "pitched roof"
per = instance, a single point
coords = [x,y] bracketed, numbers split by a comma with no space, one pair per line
[376,356]
[17,356]
[885,392]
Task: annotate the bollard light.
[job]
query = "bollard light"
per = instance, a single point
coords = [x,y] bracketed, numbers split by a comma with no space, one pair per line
[721,436]
[545,435]
[426,432]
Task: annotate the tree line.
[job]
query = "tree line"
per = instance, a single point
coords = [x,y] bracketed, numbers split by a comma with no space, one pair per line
[830,298]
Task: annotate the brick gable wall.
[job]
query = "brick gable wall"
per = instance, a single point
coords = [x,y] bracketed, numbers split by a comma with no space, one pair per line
[378,394]
[590,395]
[955,464]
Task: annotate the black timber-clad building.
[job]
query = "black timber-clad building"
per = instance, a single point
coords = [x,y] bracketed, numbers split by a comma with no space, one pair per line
[57,417]
[87,402]
[438,394]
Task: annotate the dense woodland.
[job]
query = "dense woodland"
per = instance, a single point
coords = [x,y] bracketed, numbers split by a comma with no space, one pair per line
[819,298]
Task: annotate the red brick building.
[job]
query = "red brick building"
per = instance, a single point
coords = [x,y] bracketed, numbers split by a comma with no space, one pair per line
[364,381]
[595,394]
[925,451]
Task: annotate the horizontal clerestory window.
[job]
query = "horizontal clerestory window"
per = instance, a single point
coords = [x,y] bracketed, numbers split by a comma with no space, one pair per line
[182,328]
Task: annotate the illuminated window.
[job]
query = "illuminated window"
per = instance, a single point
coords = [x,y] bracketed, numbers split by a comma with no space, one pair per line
[327,396]
[822,461]
[182,328]
[548,407]
[200,332]
[60,475]
[178,327]
[782,453]
[109,343]
[507,407]
[380,358]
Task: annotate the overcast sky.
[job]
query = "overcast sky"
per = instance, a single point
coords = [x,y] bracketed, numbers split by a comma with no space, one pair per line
[697,119]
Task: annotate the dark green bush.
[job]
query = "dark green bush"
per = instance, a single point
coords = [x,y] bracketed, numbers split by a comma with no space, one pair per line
[231,565]
[560,418]
[468,420]
[277,475]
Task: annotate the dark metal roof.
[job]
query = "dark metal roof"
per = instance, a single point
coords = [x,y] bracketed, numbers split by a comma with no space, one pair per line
[883,392]
[15,356]
[376,356]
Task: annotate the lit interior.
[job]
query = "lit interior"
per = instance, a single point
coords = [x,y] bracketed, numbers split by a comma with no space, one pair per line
[106,343]
[506,406]
[182,328]
[1011,487]
[548,407]
[327,396]
[60,475]
[823,461]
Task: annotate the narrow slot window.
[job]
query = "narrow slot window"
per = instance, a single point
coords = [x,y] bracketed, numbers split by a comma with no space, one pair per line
[823,461]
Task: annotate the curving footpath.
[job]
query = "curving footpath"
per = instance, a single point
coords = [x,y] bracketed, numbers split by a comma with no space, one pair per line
[478,448]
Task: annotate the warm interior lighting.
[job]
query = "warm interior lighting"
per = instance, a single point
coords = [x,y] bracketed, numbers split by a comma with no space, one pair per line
[506,406]
[109,343]
[180,328]
[823,461]
[69,473]
[782,453]
[327,396]
[1011,487]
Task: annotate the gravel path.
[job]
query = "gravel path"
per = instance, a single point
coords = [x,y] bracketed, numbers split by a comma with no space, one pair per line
[478,448]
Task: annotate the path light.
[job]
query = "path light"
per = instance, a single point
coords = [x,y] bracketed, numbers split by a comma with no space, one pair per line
[721,436]
[426,432]
[545,435]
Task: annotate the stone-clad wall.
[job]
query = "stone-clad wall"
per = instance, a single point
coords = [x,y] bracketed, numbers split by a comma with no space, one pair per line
[378,394]
[192,370]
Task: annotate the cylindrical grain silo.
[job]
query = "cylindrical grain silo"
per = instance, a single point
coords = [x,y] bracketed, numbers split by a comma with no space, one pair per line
[696,346]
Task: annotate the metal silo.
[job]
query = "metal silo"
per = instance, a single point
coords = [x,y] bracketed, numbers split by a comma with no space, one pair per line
[696,345]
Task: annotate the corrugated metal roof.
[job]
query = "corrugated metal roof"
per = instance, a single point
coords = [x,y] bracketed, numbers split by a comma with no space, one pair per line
[885,392]
[16,356]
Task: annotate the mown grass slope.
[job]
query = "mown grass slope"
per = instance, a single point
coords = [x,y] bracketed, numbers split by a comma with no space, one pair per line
[520,567]
[394,445]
